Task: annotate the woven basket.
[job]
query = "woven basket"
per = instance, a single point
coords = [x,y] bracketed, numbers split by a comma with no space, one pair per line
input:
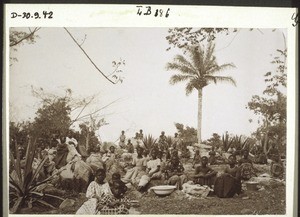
[111,211]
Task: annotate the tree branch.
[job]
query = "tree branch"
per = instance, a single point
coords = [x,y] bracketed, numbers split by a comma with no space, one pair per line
[88,57]
[96,110]
[26,37]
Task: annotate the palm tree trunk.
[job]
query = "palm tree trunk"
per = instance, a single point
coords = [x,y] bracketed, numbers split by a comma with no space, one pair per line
[199,116]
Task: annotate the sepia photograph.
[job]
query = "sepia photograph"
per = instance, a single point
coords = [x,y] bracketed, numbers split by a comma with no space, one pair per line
[148,120]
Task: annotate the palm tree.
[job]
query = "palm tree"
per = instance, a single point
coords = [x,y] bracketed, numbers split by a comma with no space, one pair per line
[199,70]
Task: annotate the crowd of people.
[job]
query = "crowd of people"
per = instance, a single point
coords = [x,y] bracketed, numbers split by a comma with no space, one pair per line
[105,175]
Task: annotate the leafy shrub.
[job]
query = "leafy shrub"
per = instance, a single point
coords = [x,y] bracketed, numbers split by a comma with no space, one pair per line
[226,141]
[149,142]
[23,185]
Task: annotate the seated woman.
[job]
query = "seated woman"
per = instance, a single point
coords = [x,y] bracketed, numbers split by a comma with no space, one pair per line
[152,172]
[229,183]
[277,168]
[116,203]
[204,175]
[174,172]
[138,165]
[95,159]
[96,190]
[246,166]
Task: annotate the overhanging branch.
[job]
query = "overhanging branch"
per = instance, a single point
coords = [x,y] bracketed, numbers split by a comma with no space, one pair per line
[88,57]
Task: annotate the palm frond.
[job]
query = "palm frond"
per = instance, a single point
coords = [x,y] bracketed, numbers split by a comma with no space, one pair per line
[197,56]
[209,52]
[189,88]
[38,169]
[181,60]
[45,203]
[219,79]
[29,157]
[214,68]
[181,68]
[17,204]
[179,78]
[16,166]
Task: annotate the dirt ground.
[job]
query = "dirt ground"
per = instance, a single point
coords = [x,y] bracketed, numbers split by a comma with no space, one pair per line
[270,200]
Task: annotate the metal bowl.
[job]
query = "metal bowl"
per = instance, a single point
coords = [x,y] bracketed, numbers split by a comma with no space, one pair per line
[163,190]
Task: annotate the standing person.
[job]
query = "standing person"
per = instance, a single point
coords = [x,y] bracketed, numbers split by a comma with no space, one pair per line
[62,153]
[122,140]
[96,190]
[141,135]
[138,140]
[212,156]
[177,141]
[174,172]
[229,183]
[197,159]
[162,141]
[204,175]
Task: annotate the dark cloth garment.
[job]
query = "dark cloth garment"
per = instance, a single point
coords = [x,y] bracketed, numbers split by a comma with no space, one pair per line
[260,159]
[61,156]
[273,154]
[212,157]
[228,184]
[130,148]
[82,150]
[208,172]
[172,169]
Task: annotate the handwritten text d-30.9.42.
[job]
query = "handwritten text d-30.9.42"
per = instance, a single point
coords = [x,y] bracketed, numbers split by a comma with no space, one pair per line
[156,12]
[33,15]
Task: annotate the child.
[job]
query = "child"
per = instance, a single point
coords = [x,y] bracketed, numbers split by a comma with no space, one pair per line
[122,139]
[174,172]
[116,202]
[130,148]
[96,190]
[204,175]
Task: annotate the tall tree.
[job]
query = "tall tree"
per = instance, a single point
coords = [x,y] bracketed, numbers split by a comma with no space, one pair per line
[270,107]
[198,70]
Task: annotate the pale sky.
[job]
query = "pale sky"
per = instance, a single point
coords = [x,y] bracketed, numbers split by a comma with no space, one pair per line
[147,100]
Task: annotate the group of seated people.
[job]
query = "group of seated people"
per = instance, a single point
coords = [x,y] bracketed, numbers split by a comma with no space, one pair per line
[110,179]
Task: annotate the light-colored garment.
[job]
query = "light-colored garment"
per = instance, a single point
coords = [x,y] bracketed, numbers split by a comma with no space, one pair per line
[94,190]
[72,152]
[95,161]
[132,173]
[153,164]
